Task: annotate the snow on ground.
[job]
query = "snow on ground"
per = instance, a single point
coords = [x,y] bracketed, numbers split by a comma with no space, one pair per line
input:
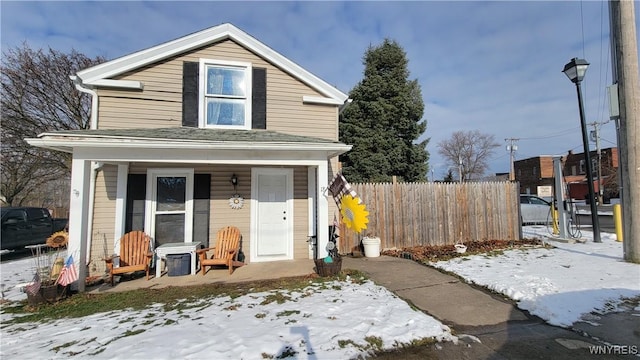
[323,322]
[559,285]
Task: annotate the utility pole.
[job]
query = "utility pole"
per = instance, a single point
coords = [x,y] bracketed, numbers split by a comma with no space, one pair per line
[460,168]
[511,148]
[624,53]
[595,137]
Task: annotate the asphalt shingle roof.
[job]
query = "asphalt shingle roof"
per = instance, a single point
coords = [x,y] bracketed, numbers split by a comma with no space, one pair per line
[196,134]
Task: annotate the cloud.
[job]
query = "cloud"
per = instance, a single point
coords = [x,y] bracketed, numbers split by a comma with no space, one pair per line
[491,66]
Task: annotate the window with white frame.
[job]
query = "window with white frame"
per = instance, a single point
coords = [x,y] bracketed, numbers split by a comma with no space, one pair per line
[225,92]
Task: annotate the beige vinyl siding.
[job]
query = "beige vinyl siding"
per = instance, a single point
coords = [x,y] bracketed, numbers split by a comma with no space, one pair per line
[221,214]
[138,113]
[300,213]
[102,234]
[160,103]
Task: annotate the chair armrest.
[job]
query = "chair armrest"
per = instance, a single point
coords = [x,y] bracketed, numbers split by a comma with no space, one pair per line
[203,251]
[110,259]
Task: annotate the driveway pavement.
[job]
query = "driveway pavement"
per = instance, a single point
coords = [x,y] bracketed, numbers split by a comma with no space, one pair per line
[488,325]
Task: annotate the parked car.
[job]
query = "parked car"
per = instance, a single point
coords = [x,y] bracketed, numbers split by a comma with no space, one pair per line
[22,226]
[535,210]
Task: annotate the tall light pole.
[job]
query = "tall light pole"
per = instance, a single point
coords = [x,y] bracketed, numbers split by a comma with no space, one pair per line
[575,70]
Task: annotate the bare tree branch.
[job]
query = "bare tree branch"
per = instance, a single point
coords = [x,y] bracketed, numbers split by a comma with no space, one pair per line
[38,96]
[469,150]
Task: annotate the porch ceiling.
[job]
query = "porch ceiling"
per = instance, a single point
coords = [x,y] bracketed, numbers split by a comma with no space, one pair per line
[188,143]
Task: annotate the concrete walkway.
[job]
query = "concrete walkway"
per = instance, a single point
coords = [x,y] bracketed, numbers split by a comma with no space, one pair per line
[489,326]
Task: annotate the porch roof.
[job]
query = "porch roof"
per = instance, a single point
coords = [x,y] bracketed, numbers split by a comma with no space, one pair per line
[186,138]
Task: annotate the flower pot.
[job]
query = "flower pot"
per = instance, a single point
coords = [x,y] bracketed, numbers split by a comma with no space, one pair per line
[371,246]
[328,269]
[460,248]
[46,294]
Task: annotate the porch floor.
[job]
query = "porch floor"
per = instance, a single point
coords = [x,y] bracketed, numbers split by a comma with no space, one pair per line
[250,272]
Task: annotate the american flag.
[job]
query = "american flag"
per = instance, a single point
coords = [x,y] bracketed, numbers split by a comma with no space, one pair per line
[69,273]
[33,288]
[338,187]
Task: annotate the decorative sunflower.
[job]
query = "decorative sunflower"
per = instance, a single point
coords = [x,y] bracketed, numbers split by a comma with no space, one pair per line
[354,214]
[236,202]
[58,239]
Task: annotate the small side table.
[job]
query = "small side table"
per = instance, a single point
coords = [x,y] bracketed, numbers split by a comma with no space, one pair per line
[176,248]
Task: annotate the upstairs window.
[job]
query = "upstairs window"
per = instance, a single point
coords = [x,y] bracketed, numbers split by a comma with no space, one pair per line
[225,92]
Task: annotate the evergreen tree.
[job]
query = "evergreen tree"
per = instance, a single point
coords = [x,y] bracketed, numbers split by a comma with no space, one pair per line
[449,177]
[384,121]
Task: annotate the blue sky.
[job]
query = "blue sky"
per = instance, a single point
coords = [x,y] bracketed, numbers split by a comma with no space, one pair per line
[489,66]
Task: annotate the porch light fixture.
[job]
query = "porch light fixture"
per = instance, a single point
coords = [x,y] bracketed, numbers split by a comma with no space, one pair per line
[575,70]
[234,181]
[235,201]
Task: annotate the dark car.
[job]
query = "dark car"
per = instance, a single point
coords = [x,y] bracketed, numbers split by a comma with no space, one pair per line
[535,210]
[22,226]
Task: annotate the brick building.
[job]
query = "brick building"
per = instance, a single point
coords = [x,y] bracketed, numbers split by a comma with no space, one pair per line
[533,172]
[538,171]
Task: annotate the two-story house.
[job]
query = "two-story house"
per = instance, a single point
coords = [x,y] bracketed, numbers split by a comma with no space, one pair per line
[209,130]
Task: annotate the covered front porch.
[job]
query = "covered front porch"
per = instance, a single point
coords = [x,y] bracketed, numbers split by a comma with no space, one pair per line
[253,272]
[304,164]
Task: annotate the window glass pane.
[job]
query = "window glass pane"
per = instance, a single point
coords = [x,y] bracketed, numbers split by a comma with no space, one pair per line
[169,229]
[225,81]
[225,112]
[171,193]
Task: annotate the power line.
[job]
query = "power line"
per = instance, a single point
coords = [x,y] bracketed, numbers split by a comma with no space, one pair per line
[563,132]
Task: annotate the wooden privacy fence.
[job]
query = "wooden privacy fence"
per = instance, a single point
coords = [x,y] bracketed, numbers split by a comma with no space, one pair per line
[433,214]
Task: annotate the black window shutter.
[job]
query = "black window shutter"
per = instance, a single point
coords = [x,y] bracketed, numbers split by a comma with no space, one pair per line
[190,72]
[136,193]
[259,99]
[201,196]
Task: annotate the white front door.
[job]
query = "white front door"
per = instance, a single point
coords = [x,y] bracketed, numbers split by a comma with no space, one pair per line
[169,205]
[272,214]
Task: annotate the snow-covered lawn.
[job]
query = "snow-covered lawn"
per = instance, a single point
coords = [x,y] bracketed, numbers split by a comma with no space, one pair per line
[338,320]
[559,285]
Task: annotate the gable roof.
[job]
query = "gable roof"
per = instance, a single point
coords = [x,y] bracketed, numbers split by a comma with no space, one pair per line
[98,74]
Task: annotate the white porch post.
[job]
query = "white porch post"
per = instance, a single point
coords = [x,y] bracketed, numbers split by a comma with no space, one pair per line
[79,215]
[323,210]
[121,205]
[312,201]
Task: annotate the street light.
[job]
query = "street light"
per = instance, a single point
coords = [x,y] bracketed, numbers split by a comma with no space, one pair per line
[575,70]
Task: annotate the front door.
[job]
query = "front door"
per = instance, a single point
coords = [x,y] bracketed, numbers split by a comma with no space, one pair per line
[272,216]
[169,215]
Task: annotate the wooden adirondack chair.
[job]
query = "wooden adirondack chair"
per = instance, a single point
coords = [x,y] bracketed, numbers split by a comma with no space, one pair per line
[225,252]
[135,254]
